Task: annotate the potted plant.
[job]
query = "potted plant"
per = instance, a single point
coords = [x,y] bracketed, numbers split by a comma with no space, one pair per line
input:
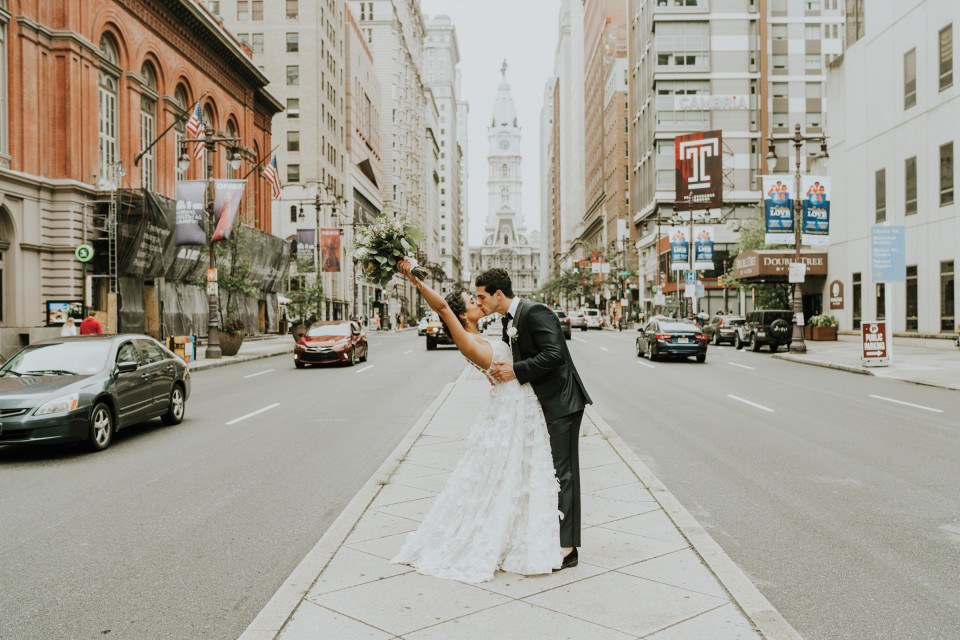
[231,336]
[823,327]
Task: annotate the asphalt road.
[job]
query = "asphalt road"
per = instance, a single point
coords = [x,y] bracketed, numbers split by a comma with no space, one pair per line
[840,502]
[186,532]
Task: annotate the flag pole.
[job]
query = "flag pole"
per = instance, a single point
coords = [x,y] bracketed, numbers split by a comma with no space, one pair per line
[178,120]
[256,166]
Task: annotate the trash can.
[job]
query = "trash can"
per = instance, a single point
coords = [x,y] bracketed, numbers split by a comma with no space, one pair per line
[183,346]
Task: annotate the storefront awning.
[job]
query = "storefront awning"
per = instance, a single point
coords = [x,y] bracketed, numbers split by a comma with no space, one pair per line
[774,265]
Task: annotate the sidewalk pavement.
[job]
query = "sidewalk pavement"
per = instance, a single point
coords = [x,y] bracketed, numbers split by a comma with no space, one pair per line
[936,367]
[647,569]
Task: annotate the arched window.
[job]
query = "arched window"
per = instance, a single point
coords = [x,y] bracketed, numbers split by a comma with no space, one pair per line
[148,126]
[504,195]
[207,122]
[504,170]
[108,113]
[228,151]
[180,130]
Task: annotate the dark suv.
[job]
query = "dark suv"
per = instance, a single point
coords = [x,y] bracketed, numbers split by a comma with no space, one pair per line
[766,327]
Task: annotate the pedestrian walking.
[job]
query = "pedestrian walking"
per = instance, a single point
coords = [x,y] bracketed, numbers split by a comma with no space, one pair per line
[90,325]
[69,327]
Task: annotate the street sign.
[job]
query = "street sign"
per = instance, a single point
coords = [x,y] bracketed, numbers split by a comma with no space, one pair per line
[701,291]
[874,340]
[888,253]
[798,273]
[689,290]
[691,276]
[83,253]
[659,299]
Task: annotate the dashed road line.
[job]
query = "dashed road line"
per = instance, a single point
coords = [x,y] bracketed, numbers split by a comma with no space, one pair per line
[742,366]
[369,366]
[258,373]
[408,351]
[579,339]
[604,349]
[908,404]
[752,404]
[254,413]
[646,364]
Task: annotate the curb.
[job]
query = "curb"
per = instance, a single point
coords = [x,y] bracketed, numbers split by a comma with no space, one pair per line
[280,608]
[236,360]
[757,608]
[827,365]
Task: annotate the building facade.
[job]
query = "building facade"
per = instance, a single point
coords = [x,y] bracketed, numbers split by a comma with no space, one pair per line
[86,88]
[894,108]
[463,120]
[506,243]
[547,171]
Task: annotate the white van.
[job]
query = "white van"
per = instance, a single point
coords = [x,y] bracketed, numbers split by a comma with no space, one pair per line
[594,319]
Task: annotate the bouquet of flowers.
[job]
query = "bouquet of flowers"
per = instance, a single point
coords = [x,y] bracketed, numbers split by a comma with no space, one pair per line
[380,246]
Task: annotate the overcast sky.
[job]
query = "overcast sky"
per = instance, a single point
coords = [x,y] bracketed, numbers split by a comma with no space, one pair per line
[525,33]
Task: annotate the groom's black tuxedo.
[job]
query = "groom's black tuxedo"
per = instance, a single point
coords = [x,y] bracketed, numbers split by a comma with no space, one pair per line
[541,358]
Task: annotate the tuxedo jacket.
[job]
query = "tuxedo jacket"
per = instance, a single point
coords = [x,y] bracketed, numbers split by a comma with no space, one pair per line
[541,358]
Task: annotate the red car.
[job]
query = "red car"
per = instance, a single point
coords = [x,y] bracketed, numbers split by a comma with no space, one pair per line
[337,341]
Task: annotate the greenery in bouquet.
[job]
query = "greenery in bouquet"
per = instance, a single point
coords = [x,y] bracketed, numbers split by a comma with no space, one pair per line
[380,246]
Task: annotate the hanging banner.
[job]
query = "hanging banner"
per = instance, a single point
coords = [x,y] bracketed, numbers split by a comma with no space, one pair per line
[330,247]
[778,210]
[703,248]
[679,249]
[816,210]
[189,228]
[306,239]
[226,203]
[698,171]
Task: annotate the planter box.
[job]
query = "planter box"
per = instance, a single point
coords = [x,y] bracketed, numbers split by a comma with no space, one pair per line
[230,343]
[823,333]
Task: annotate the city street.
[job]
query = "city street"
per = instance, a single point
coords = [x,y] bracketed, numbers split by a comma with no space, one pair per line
[185,532]
[839,501]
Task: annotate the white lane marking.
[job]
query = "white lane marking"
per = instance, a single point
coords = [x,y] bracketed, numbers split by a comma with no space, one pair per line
[752,404]
[908,404]
[250,415]
[258,373]
[408,351]
[646,364]
[579,339]
[604,349]
[742,366]
[364,369]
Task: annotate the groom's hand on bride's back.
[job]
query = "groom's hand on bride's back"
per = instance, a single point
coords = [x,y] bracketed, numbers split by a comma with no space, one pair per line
[502,371]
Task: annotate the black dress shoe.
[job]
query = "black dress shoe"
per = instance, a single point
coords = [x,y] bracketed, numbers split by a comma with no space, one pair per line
[569,560]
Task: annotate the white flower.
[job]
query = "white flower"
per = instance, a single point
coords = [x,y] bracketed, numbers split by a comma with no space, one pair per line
[511,332]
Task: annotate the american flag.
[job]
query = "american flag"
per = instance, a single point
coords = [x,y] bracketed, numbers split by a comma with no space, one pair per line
[195,128]
[272,175]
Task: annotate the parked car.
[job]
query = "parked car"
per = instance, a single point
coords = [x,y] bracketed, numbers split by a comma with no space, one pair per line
[578,320]
[422,326]
[722,328]
[564,323]
[671,338]
[771,327]
[86,388]
[332,341]
[436,334]
[594,319]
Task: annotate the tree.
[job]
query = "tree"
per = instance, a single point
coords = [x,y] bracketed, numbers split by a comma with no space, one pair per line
[767,295]
[306,293]
[233,278]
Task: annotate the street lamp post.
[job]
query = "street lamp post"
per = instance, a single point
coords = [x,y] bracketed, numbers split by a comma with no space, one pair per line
[797,344]
[210,141]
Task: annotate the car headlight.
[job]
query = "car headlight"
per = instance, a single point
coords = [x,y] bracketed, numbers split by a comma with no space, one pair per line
[63,404]
[340,345]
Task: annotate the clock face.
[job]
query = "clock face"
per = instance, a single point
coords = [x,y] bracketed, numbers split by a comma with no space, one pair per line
[504,144]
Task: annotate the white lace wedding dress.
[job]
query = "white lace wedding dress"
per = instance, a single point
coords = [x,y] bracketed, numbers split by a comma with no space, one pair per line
[498,509]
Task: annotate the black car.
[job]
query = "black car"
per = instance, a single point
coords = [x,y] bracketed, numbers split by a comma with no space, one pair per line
[771,327]
[564,323]
[723,328]
[671,338]
[85,388]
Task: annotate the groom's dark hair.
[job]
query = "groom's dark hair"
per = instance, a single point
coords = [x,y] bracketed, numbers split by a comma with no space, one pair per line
[494,280]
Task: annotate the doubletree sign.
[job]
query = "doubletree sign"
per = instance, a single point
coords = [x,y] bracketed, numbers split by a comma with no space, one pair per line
[83,253]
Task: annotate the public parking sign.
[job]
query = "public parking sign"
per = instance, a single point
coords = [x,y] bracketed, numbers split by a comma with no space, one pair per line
[874,340]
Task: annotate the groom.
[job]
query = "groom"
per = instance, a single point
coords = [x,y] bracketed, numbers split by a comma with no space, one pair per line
[541,358]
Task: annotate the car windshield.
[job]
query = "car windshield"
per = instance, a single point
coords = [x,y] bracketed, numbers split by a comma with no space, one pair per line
[677,326]
[735,322]
[330,330]
[560,314]
[70,357]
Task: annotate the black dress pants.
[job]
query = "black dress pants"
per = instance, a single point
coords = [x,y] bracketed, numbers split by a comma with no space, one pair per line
[565,445]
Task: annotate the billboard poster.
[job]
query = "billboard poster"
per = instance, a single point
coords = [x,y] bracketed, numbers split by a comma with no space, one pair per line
[703,248]
[777,210]
[330,249]
[191,195]
[815,191]
[306,239]
[226,203]
[59,310]
[679,249]
[698,160]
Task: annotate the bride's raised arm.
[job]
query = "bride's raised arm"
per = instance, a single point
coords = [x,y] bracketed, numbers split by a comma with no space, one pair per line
[477,351]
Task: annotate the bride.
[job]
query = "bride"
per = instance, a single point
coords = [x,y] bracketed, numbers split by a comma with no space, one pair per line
[498,509]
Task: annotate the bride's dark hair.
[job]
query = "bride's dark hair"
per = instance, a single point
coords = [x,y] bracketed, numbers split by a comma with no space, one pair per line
[455,302]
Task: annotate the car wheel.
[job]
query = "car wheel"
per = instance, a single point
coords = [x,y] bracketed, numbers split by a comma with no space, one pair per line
[716,339]
[353,357]
[737,344]
[101,427]
[701,357]
[773,348]
[653,353]
[366,353]
[178,405]
[431,344]
[754,345]
[298,364]
[639,350]
[584,328]
[567,336]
